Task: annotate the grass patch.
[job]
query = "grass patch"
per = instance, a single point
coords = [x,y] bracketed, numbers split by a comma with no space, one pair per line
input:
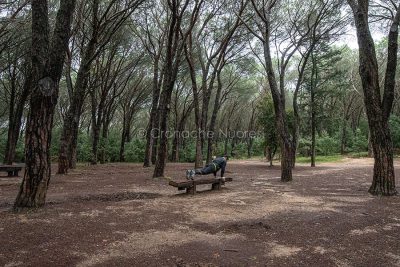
[358,155]
[320,159]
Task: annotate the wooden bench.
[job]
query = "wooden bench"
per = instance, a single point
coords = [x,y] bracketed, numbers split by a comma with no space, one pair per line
[12,170]
[190,186]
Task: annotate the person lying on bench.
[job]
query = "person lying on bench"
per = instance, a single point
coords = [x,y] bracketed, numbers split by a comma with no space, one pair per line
[218,163]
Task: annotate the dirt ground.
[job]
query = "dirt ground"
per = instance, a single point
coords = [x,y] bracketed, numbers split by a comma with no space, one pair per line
[116,215]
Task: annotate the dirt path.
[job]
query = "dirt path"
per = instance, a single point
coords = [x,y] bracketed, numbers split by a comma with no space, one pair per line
[114,215]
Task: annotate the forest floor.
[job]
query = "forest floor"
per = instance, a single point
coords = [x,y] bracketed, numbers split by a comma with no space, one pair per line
[116,215]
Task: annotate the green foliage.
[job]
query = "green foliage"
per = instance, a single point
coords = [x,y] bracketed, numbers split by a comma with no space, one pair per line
[359,142]
[134,150]
[84,148]
[267,121]
[327,145]
[112,146]
[188,153]
[304,147]
[19,151]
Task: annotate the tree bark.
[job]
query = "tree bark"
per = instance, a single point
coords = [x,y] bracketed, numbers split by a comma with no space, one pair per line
[196,101]
[48,58]
[313,87]
[15,118]
[211,129]
[71,123]
[175,47]
[287,146]
[172,63]
[150,139]
[313,126]
[378,110]
[124,139]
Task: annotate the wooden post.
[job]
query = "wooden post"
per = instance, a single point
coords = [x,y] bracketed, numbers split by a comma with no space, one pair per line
[216,186]
[191,190]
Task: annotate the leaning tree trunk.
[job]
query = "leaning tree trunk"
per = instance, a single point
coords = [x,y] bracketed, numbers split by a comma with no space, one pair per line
[47,63]
[70,130]
[68,140]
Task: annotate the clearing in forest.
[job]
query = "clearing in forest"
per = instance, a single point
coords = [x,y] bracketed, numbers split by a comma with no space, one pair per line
[116,215]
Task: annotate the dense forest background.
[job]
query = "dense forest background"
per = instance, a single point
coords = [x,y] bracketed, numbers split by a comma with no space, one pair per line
[112,81]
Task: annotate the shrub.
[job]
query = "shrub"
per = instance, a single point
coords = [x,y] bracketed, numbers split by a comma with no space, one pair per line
[327,145]
[359,142]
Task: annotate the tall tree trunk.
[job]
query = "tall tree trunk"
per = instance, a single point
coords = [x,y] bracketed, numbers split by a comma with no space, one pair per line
[198,163]
[96,125]
[164,114]
[155,138]
[11,138]
[15,121]
[287,146]
[123,137]
[69,135]
[47,63]
[177,140]
[68,140]
[313,87]
[153,125]
[226,145]
[313,126]
[343,138]
[70,130]
[370,150]
[211,130]
[73,150]
[378,111]
[172,62]
[175,149]
[104,139]
[383,179]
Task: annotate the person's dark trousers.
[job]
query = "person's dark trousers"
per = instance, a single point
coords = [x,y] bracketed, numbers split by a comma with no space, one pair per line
[208,169]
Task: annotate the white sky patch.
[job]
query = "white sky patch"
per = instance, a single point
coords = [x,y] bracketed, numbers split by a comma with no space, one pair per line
[350,39]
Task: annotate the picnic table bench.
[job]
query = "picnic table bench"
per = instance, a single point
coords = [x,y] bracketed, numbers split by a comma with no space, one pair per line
[190,185]
[12,170]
